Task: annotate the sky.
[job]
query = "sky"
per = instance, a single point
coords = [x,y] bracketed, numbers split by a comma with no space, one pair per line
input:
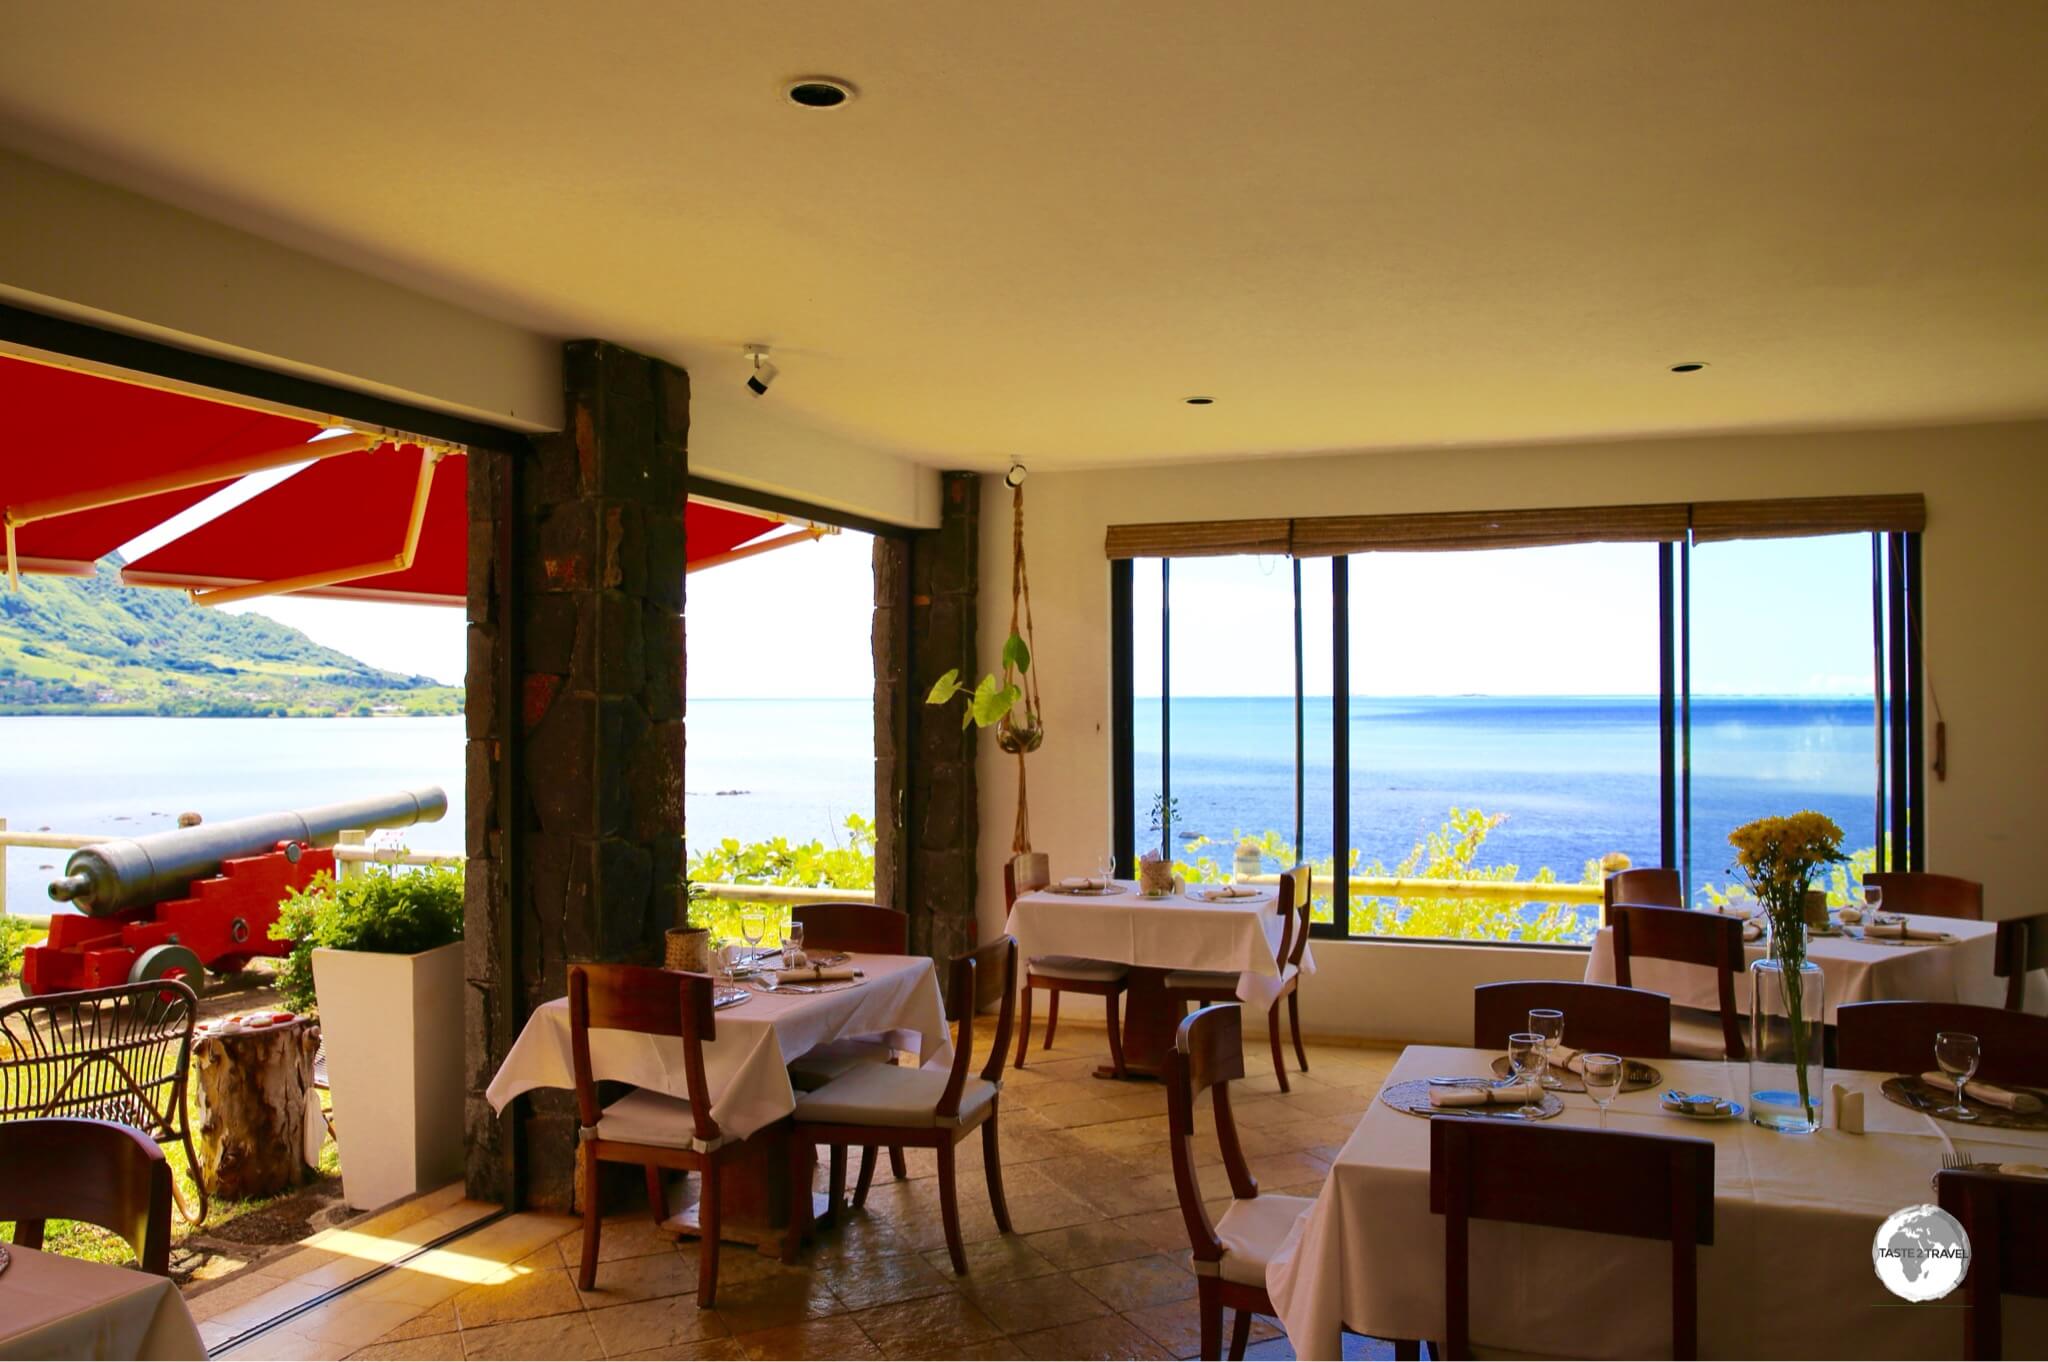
[1769,617]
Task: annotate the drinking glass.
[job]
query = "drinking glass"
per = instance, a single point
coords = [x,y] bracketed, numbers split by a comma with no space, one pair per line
[1105,868]
[753,926]
[793,945]
[1957,1053]
[1548,1023]
[1603,1080]
[1526,1059]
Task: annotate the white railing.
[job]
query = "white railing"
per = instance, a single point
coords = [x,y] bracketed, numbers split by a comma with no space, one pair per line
[353,852]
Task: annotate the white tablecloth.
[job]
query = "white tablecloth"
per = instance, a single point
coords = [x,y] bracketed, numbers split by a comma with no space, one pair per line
[745,1066]
[1180,932]
[1789,1273]
[1855,971]
[52,1306]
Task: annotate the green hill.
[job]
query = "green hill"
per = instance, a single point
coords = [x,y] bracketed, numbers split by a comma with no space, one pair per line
[93,646]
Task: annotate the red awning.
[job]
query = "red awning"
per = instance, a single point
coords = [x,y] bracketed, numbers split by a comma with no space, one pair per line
[66,434]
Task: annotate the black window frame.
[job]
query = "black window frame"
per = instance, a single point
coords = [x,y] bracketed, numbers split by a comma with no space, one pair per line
[1897,668]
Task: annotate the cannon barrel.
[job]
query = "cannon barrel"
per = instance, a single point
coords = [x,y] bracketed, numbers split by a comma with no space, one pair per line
[129,872]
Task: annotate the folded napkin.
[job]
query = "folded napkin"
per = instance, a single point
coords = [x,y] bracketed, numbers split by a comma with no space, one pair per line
[1904,931]
[1851,915]
[816,974]
[1990,1094]
[1752,931]
[1231,891]
[1512,1094]
[1735,909]
[1564,1057]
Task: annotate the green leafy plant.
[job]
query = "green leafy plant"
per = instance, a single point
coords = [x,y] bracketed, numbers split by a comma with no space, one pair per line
[384,908]
[847,864]
[991,701]
[15,934]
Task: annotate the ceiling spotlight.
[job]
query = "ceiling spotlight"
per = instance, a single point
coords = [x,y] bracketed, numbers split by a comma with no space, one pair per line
[1199,401]
[764,371]
[1691,366]
[819,92]
[1015,477]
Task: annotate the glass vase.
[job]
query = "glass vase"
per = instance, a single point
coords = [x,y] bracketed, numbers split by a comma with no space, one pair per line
[1787,1026]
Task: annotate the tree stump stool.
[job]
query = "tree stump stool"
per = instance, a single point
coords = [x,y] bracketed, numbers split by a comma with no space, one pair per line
[258,1116]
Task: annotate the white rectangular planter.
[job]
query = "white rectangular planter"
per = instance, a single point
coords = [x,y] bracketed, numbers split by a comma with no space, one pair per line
[393,1029]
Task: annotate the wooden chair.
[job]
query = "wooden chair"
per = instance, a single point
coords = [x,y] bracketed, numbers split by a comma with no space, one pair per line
[1220,986]
[1929,895]
[1899,1038]
[2007,1221]
[2021,948]
[1652,932]
[651,1129]
[863,929]
[101,1172]
[1651,884]
[1641,1186]
[897,1107]
[1622,1021]
[1230,1254]
[121,1054]
[1058,974]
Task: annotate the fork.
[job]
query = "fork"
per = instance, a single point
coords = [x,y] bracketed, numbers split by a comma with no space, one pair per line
[1954,1160]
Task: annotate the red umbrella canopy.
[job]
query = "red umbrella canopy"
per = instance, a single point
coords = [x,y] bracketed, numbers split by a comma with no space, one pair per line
[66,434]
[338,513]
[353,509]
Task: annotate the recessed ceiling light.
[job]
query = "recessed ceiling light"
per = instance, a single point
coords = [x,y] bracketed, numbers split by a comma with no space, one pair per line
[1199,401]
[1691,366]
[819,92]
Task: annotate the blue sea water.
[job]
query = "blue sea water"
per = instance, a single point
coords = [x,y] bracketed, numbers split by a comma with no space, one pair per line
[1575,777]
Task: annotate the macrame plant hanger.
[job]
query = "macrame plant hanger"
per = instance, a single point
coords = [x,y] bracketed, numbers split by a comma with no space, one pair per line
[1021,738]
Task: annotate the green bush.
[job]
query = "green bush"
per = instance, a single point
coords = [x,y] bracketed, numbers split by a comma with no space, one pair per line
[15,933]
[811,864]
[400,912]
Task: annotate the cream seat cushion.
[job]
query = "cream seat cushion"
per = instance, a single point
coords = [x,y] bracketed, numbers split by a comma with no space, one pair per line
[886,1095]
[1074,967]
[643,1117]
[816,1067]
[1252,1231]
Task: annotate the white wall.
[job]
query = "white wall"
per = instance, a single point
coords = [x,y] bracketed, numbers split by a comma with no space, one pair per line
[79,249]
[1986,579]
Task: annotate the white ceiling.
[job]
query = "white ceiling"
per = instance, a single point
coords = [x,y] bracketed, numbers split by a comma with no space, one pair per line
[1041,226]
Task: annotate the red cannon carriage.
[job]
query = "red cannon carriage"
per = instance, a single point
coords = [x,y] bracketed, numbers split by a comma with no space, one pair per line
[174,904]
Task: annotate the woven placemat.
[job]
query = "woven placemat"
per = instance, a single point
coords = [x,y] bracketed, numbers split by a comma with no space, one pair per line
[1636,1076]
[1413,1098]
[1924,1097]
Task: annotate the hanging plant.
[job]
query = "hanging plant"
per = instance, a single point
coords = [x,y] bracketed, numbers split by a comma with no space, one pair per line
[1007,701]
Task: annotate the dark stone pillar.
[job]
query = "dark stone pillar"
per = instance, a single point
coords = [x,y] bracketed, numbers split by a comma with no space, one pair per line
[893,700]
[941,819]
[576,730]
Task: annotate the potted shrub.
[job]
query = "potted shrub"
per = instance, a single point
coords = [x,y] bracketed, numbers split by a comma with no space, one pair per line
[381,952]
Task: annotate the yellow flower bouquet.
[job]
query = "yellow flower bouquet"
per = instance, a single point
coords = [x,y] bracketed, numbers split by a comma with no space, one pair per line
[1778,858]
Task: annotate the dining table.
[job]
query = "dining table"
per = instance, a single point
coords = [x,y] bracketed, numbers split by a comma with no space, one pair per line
[52,1306]
[1156,935]
[1789,1272]
[1855,969]
[745,1068]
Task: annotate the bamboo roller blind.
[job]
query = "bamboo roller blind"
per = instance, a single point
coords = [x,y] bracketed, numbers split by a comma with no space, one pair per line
[1328,536]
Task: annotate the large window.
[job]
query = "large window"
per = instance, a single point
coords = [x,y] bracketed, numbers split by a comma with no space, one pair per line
[1463,741]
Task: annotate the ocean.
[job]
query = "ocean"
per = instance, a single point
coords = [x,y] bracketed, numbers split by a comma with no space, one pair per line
[1575,777]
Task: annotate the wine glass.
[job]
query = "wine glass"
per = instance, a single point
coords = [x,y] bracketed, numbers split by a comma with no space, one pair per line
[1548,1023]
[1526,1059]
[1957,1053]
[793,945]
[753,926]
[1105,868]
[1873,899]
[725,960]
[1603,1080]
